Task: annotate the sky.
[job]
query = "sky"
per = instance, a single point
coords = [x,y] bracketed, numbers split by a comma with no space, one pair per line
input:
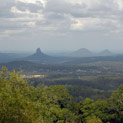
[61,24]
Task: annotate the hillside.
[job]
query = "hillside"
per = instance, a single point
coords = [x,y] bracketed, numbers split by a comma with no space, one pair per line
[37,56]
[106,53]
[7,57]
[83,52]
[40,57]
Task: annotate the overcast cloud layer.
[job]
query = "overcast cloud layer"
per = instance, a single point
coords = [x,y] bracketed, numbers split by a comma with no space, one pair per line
[61,24]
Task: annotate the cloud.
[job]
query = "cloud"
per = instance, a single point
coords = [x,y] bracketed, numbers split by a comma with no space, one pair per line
[58,16]
[28,1]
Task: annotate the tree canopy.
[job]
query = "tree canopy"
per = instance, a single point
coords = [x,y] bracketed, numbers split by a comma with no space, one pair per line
[21,102]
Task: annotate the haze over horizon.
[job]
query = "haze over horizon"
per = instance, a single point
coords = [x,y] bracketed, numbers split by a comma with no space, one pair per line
[61,25]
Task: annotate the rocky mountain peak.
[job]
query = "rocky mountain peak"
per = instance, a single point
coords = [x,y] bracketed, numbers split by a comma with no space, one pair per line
[38,51]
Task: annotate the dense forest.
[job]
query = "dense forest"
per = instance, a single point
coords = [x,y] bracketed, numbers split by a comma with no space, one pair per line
[94,80]
[21,102]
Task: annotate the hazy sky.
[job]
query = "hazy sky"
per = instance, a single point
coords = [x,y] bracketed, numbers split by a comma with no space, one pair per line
[61,24]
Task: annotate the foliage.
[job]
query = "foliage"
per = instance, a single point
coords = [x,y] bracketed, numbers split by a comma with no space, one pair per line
[93,119]
[21,102]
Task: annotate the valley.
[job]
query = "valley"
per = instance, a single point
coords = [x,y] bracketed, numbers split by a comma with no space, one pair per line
[94,80]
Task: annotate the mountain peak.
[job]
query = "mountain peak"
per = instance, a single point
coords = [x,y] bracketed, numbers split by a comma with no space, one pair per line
[106,52]
[38,51]
[83,52]
[38,56]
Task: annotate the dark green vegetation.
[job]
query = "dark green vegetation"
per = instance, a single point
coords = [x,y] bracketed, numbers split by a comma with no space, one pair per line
[21,102]
[94,80]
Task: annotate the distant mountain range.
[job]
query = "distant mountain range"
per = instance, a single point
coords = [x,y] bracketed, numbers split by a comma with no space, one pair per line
[80,56]
[83,52]
[40,57]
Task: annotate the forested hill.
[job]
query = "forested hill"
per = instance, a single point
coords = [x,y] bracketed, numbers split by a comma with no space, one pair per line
[24,103]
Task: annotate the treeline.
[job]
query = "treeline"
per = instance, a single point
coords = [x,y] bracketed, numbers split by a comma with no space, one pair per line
[29,66]
[80,93]
[100,88]
[101,83]
[21,102]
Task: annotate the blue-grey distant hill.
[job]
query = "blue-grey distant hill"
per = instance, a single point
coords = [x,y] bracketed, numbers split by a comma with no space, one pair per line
[106,53]
[7,57]
[40,57]
[83,52]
